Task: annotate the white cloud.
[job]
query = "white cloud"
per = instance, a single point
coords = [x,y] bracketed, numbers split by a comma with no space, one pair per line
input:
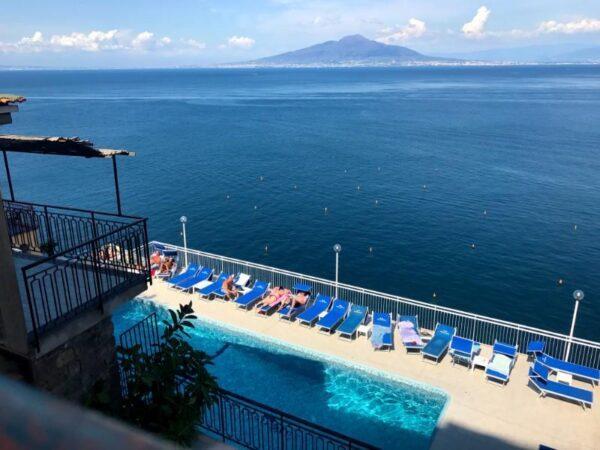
[581,26]
[91,42]
[96,41]
[240,42]
[414,29]
[476,27]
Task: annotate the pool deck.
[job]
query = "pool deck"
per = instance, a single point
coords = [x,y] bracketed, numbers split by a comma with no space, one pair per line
[479,414]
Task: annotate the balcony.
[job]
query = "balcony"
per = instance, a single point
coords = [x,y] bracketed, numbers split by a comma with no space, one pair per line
[71,261]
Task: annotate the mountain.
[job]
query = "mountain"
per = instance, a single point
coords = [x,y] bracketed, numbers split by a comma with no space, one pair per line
[590,54]
[557,53]
[355,50]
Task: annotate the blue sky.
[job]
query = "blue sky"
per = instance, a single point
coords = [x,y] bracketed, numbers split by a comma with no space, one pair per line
[126,33]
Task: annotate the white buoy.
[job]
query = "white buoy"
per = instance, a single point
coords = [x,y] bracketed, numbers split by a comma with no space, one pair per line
[485,212]
[575,227]
[295,186]
[434,295]
[255,207]
[325,210]
[358,187]
[377,202]
[227,196]
[262,178]
[266,249]
[371,250]
[473,246]
[561,281]
[424,186]
[379,169]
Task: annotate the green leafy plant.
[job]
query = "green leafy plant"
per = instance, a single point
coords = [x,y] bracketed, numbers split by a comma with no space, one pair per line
[166,391]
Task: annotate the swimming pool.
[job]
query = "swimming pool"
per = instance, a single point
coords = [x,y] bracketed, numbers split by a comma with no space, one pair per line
[367,406]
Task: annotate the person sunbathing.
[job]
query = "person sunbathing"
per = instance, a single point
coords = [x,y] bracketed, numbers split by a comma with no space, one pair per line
[167,265]
[274,295]
[155,260]
[295,300]
[229,289]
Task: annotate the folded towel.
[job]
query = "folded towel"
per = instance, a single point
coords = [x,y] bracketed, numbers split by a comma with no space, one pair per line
[500,363]
[378,336]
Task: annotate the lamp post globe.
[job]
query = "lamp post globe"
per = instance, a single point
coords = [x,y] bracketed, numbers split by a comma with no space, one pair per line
[578,295]
[183,219]
[337,248]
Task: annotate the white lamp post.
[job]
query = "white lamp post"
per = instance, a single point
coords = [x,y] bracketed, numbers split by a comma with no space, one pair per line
[337,248]
[578,296]
[183,221]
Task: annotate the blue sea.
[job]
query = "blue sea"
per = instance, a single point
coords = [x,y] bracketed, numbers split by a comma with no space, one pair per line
[322,392]
[480,185]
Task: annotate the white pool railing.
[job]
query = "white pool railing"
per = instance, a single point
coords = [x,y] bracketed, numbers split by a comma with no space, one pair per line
[483,329]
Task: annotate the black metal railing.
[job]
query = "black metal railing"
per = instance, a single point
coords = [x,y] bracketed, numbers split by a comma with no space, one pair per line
[47,229]
[90,257]
[243,421]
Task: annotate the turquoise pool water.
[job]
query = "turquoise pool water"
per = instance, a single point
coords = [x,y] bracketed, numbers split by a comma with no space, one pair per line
[386,413]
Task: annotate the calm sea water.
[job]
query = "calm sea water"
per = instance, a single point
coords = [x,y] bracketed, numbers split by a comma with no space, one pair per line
[324,393]
[414,165]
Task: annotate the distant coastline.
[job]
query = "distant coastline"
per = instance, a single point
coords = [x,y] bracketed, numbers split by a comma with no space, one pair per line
[234,66]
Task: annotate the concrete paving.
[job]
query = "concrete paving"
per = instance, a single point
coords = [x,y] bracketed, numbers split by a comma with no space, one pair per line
[479,414]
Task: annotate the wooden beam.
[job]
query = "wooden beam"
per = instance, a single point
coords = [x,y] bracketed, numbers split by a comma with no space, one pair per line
[56,146]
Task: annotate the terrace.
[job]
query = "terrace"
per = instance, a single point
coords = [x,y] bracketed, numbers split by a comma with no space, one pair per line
[69,261]
[478,415]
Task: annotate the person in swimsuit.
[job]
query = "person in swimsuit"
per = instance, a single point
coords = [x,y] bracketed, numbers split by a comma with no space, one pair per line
[273,295]
[229,289]
[295,300]
[167,265]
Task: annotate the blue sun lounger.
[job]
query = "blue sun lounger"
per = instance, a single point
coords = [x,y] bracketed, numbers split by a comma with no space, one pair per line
[251,297]
[356,317]
[189,283]
[334,317]
[439,343]
[576,370]
[463,350]
[502,362]
[289,314]
[311,315]
[381,334]
[409,333]
[538,375]
[209,290]
[189,272]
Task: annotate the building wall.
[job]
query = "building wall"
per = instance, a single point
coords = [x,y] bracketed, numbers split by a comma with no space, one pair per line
[71,369]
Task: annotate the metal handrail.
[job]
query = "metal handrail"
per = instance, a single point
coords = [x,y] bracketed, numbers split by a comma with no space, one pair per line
[86,243]
[391,297]
[69,208]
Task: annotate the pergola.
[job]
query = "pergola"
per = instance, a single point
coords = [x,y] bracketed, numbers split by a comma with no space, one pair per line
[59,146]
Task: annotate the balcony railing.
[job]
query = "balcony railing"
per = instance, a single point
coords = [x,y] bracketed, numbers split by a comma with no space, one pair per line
[84,258]
[480,328]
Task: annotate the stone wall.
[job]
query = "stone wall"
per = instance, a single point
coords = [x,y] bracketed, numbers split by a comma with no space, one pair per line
[72,368]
